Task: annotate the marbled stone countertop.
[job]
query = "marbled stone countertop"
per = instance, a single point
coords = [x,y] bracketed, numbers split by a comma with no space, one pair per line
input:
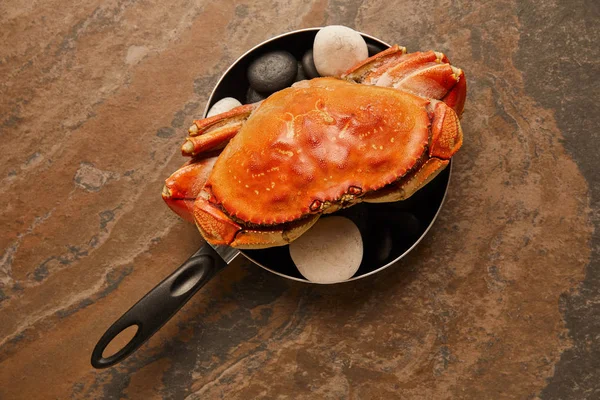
[501,300]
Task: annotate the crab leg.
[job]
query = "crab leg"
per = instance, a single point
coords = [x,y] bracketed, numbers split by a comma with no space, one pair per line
[215,132]
[426,74]
[379,62]
[431,80]
[457,95]
[446,133]
[215,226]
[182,188]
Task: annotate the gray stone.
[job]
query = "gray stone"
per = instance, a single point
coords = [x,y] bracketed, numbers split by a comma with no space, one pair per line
[272,71]
[308,64]
[252,96]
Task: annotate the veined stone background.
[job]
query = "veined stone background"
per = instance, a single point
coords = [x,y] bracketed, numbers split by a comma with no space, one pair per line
[500,301]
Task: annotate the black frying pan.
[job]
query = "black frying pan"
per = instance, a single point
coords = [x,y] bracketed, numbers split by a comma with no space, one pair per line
[389,230]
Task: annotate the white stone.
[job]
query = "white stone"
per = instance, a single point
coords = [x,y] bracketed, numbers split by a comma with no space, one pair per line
[329,252]
[223,105]
[337,48]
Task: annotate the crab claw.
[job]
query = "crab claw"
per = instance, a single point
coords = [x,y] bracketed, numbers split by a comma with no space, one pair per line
[182,188]
[446,133]
[215,132]
[458,94]
[427,74]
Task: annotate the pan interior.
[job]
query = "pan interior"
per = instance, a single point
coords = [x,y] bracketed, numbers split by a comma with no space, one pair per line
[388,230]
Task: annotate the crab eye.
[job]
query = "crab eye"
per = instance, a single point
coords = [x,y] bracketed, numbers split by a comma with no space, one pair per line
[354,190]
[316,205]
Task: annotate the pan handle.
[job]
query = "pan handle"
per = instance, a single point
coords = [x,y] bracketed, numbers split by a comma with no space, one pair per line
[159,305]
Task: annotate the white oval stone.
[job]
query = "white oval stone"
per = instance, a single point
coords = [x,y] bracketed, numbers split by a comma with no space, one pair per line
[337,48]
[223,105]
[329,252]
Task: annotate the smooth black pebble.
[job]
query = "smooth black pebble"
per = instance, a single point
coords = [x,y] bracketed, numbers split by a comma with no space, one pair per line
[252,96]
[382,245]
[308,64]
[300,76]
[272,71]
[406,225]
[373,49]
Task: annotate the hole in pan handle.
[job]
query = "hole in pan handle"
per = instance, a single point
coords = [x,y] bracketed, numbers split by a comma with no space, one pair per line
[159,305]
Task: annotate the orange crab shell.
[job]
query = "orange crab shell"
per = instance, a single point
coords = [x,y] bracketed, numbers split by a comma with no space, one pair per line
[315,144]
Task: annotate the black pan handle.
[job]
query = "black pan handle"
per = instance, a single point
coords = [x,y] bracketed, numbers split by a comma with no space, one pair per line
[159,305]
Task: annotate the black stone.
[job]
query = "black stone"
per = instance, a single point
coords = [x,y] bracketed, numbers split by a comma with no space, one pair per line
[381,245]
[373,49]
[406,225]
[252,96]
[308,64]
[300,76]
[272,71]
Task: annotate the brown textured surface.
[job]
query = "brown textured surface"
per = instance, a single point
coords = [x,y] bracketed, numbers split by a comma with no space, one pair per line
[500,301]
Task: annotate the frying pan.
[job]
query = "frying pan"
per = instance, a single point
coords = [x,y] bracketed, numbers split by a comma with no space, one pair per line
[389,230]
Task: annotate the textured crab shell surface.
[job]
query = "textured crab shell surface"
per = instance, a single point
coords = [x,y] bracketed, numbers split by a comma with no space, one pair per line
[321,142]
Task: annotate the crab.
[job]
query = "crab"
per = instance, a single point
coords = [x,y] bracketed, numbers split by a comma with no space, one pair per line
[262,174]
